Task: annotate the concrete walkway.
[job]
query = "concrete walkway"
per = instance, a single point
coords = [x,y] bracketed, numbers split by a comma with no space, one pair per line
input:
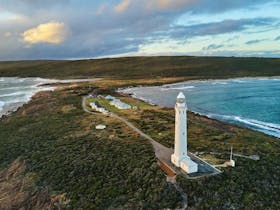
[162,153]
[251,157]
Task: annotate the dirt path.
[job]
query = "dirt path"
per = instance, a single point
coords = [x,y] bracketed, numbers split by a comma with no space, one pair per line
[162,153]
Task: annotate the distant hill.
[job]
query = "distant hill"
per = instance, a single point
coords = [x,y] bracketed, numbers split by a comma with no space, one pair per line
[145,67]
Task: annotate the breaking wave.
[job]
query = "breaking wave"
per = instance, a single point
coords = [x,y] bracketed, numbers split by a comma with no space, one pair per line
[249,102]
[16,91]
[265,127]
[178,88]
[2,104]
[219,83]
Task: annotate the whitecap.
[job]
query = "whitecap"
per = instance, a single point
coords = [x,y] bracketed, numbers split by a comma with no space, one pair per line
[17,91]
[239,81]
[15,94]
[2,104]
[178,88]
[265,127]
[219,83]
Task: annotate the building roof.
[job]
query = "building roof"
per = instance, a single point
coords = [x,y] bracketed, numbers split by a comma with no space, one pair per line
[181,95]
[98,104]
[100,127]
[109,97]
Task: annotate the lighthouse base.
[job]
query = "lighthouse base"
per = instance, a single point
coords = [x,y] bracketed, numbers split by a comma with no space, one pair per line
[184,163]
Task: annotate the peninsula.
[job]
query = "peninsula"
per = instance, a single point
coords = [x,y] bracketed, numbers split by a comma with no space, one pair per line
[54,154]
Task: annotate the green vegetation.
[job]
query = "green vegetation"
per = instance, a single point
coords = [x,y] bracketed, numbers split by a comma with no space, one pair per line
[251,185]
[109,169]
[145,67]
[62,156]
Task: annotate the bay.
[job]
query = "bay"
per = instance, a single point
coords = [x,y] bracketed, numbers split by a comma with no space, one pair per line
[249,102]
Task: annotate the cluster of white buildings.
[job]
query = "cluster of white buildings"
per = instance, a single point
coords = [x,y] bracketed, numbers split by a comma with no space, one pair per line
[113,101]
[98,108]
[117,103]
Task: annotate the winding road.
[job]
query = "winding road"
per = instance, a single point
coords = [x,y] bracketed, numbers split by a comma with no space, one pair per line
[162,153]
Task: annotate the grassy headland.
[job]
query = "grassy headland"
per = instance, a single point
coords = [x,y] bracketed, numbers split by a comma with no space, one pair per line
[52,156]
[63,154]
[241,187]
[145,67]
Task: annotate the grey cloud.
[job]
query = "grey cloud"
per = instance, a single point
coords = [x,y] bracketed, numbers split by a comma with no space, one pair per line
[232,38]
[212,47]
[30,6]
[106,33]
[255,41]
[215,28]
[210,6]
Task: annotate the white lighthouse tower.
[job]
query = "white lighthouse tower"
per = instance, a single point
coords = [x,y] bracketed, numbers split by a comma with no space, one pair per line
[180,157]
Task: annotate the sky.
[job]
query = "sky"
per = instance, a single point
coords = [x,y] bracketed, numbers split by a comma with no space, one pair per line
[82,29]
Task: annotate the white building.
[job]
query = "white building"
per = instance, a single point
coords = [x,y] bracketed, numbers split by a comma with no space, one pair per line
[98,108]
[109,97]
[180,157]
[93,105]
[119,104]
[231,162]
[100,127]
[102,110]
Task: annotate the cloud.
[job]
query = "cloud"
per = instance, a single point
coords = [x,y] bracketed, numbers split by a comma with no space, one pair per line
[215,28]
[122,6]
[7,34]
[51,32]
[232,38]
[168,4]
[148,6]
[195,6]
[212,47]
[210,6]
[100,28]
[255,41]
[277,38]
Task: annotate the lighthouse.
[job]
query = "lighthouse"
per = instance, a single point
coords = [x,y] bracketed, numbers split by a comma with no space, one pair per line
[180,157]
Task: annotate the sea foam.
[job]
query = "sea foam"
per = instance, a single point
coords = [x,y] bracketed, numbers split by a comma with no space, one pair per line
[249,102]
[16,91]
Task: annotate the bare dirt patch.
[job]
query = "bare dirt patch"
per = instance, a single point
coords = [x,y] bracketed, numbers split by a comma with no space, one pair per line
[18,190]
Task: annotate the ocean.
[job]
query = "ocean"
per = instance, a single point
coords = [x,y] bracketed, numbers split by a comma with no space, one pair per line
[14,92]
[249,102]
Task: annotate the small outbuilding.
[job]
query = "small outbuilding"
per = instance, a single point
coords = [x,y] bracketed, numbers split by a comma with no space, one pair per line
[109,97]
[119,104]
[100,127]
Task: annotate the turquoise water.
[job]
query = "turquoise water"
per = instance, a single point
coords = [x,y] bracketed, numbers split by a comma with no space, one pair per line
[254,103]
[16,91]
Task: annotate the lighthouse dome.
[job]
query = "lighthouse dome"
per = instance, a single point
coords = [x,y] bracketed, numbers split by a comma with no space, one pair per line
[181,98]
[181,95]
